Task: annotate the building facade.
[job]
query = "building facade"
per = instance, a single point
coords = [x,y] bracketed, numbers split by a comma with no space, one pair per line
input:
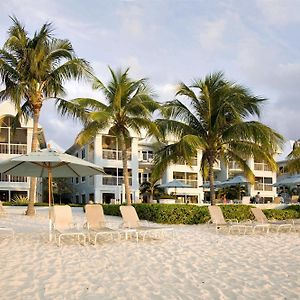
[13,143]
[105,152]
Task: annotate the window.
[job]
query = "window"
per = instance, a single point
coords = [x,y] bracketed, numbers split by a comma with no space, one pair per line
[187,178]
[111,149]
[77,199]
[263,184]
[83,198]
[83,153]
[114,176]
[83,179]
[76,180]
[260,165]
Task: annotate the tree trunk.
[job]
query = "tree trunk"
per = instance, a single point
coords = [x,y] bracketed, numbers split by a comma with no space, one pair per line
[125,169]
[151,195]
[211,179]
[34,146]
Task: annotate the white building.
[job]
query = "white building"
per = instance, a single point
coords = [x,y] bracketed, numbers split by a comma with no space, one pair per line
[105,152]
[12,144]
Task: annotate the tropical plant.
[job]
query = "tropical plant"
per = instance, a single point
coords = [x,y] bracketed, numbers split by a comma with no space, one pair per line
[129,108]
[293,164]
[151,188]
[33,70]
[20,200]
[216,121]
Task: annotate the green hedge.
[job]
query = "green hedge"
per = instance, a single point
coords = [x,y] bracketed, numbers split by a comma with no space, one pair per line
[192,214]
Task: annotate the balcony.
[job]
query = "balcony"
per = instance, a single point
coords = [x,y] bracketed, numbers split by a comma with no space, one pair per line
[114,154]
[261,167]
[114,180]
[232,165]
[263,187]
[13,148]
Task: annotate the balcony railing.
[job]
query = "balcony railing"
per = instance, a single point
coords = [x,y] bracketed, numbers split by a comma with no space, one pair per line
[114,180]
[11,178]
[114,154]
[263,187]
[232,165]
[13,148]
[261,167]
[192,182]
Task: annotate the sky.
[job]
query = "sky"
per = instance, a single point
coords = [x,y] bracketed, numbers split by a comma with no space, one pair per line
[255,43]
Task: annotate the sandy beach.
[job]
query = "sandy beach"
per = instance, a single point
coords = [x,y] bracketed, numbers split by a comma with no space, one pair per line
[196,264]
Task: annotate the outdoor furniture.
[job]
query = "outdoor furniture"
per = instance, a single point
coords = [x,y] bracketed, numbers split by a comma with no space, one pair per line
[217,218]
[63,224]
[96,224]
[262,220]
[132,221]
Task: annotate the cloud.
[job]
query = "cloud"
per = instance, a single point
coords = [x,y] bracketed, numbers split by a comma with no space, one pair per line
[280,13]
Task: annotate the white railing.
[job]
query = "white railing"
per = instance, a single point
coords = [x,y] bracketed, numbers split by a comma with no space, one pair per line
[13,148]
[262,167]
[192,182]
[18,179]
[232,165]
[114,154]
[114,180]
[263,187]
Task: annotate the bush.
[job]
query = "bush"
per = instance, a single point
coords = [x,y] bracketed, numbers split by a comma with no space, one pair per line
[193,214]
[282,214]
[20,200]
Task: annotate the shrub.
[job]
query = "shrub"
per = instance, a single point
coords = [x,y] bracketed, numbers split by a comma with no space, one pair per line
[193,214]
[282,214]
[20,200]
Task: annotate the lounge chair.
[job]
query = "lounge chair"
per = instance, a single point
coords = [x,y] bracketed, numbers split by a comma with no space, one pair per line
[96,224]
[262,220]
[63,224]
[132,221]
[217,218]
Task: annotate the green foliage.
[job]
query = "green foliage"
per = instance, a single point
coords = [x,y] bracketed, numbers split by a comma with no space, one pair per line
[112,209]
[239,212]
[20,200]
[193,214]
[292,212]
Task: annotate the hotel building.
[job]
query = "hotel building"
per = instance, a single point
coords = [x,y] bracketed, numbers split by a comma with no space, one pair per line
[104,151]
[13,144]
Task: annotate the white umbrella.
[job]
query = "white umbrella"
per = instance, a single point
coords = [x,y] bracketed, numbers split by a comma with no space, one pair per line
[49,163]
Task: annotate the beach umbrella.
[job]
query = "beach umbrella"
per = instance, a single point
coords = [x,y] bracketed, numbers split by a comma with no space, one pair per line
[291,180]
[236,181]
[175,184]
[49,163]
[206,185]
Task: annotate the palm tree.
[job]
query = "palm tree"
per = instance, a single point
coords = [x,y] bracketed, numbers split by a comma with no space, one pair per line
[34,70]
[151,188]
[129,107]
[216,123]
[293,164]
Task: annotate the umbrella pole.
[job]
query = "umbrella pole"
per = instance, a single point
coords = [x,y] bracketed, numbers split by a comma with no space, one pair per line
[49,201]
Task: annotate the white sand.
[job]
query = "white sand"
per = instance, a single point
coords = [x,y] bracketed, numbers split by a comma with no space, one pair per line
[197,264]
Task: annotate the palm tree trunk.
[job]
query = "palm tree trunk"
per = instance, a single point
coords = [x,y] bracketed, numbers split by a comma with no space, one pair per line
[211,179]
[34,146]
[125,169]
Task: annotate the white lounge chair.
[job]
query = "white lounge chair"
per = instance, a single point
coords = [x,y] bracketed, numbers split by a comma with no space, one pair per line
[63,224]
[132,221]
[217,218]
[96,224]
[262,220]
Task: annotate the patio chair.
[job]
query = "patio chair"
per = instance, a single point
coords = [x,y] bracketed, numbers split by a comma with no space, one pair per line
[95,222]
[132,221]
[63,224]
[261,219]
[217,218]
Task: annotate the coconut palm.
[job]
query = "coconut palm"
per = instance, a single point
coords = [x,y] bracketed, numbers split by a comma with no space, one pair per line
[151,188]
[293,163]
[216,121]
[129,106]
[33,70]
